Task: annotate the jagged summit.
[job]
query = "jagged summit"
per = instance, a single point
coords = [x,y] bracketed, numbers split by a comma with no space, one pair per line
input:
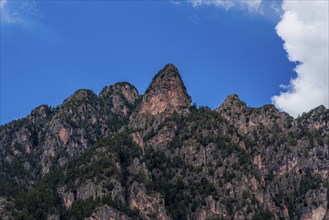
[318,110]
[119,98]
[40,110]
[232,103]
[80,95]
[128,92]
[167,93]
[317,117]
[232,98]
[170,67]
[116,86]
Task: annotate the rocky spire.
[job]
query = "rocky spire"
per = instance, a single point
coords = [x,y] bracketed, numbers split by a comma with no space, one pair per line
[166,93]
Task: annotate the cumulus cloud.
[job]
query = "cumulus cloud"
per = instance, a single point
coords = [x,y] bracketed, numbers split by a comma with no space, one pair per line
[252,5]
[304,30]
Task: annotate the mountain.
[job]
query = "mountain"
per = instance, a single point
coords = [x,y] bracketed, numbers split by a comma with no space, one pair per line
[122,155]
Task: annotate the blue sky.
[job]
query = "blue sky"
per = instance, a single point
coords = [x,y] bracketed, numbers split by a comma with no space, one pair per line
[49,49]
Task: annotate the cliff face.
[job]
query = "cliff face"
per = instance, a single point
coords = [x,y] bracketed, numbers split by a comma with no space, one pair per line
[120,155]
[165,95]
[52,136]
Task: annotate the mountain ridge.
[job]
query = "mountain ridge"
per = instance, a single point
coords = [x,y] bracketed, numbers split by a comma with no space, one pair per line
[123,155]
[167,67]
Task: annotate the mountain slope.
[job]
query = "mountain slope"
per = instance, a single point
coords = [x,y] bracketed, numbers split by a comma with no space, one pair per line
[120,155]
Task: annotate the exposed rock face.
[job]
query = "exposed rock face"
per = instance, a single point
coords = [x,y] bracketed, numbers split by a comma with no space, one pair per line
[5,214]
[317,118]
[120,155]
[232,104]
[150,206]
[53,217]
[67,197]
[40,114]
[90,189]
[52,136]
[106,212]
[119,98]
[317,214]
[165,95]
[316,202]
[247,119]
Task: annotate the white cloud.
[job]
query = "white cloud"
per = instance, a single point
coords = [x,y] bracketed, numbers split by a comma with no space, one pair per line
[304,30]
[252,5]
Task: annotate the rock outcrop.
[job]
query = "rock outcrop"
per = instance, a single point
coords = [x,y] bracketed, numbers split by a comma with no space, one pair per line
[165,95]
[106,212]
[120,98]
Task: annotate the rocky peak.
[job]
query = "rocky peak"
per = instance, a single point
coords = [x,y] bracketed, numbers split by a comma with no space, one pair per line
[166,93]
[232,103]
[41,112]
[247,119]
[120,98]
[317,113]
[128,91]
[81,95]
[316,118]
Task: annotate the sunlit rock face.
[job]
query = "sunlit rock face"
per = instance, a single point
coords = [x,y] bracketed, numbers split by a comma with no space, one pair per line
[165,95]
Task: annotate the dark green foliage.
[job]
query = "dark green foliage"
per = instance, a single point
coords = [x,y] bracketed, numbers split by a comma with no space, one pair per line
[9,172]
[119,147]
[80,209]
[228,175]
[8,186]
[118,204]
[257,216]
[39,201]
[115,122]
[249,142]
[308,181]
[150,135]
[180,197]
[43,199]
